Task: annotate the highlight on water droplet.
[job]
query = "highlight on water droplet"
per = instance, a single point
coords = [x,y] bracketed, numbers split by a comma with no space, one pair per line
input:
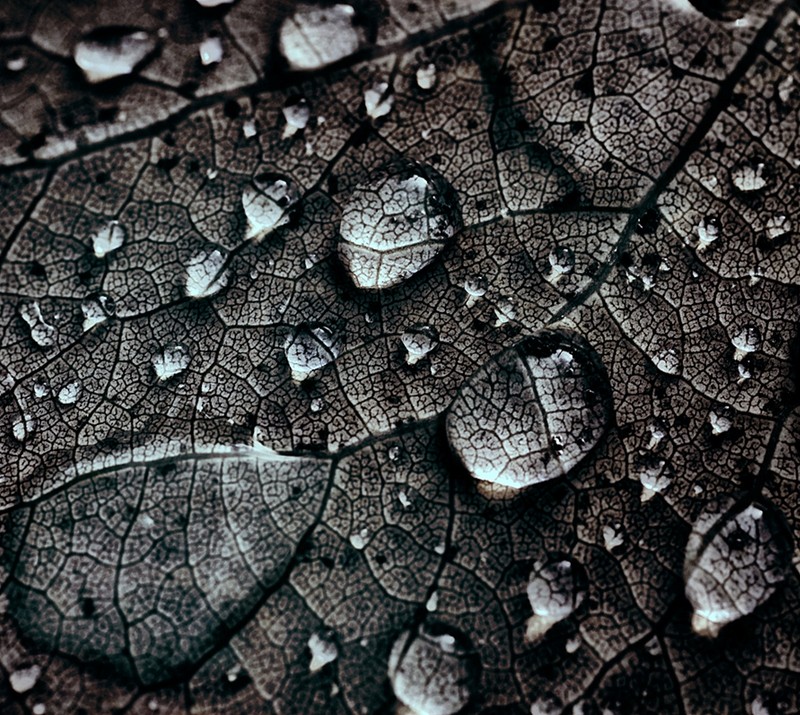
[268,201]
[112,51]
[309,348]
[557,586]
[206,273]
[314,36]
[171,360]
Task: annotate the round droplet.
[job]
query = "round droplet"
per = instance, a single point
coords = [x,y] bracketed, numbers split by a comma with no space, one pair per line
[170,361]
[109,237]
[318,35]
[738,553]
[206,274]
[42,333]
[434,670]
[532,412]
[108,52]
[210,51]
[556,587]
[419,341]
[297,114]
[308,349]
[24,679]
[96,309]
[268,201]
[476,287]
[323,650]
[426,76]
[708,231]
[378,100]
[396,223]
[747,340]
[69,393]
[749,177]
[658,430]
[562,261]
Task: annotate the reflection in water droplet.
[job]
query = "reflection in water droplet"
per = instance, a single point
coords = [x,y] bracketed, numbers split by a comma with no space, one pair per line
[69,393]
[108,238]
[268,201]
[747,340]
[323,650]
[556,587]
[210,51]
[171,360]
[206,274]
[315,36]
[108,52]
[297,113]
[42,333]
[708,231]
[378,100]
[562,260]
[434,670]
[426,76]
[96,309]
[738,553]
[749,177]
[396,223]
[532,412]
[309,348]
[419,341]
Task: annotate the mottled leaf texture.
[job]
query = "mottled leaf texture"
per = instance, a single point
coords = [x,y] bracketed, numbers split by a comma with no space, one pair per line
[367,357]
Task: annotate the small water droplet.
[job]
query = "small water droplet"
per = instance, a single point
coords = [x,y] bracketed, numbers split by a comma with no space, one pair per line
[708,231]
[96,309]
[318,404]
[720,419]
[323,650]
[109,237]
[378,100]
[419,340]
[432,603]
[655,475]
[109,52]
[42,333]
[206,274]
[403,498]
[394,453]
[210,51]
[268,201]
[316,36]
[505,311]
[744,373]
[556,587]
[613,536]
[547,705]
[359,540]
[668,360]
[426,76]
[170,361]
[434,669]
[24,679]
[23,427]
[309,348]
[747,340]
[39,709]
[562,261]
[749,177]
[296,113]
[249,128]
[41,388]
[16,62]
[572,644]
[476,287]
[658,430]
[778,226]
[69,393]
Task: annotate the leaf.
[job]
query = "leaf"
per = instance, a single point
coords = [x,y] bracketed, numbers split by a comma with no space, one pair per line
[236,473]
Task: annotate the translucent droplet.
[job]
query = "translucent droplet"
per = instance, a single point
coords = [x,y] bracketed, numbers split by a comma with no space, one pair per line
[749,177]
[505,311]
[96,309]
[41,388]
[171,360]
[720,419]
[668,360]
[309,348]
[744,373]
[556,587]
[16,62]
[360,539]
[613,536]
[547,705]
[396,223]
[268,201]
[323,650]
[206,274]
[562,261]
[738,553]
[378,100]
[24,679]
[108,238]
[778,226]
[432,603]
[249,129]
[434,669]
[297,113]
[419,341]
[426,76]
[747,340]
[42,333]
[108,52]
[655,475]
[475,287]
[315,36]
[23,427]
[658,430]
[708,231]
[532,412]
[69,393]
[394,453]
[210,51]
[317,404]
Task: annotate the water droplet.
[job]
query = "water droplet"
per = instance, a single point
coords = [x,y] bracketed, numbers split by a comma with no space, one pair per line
[532,412]
[655,475]
[323,650]
[738,553]
[556,587]
[505,311]
[749,177]
[476,287]
[16,62]
[171,360]
[108,238]
[210,51]
[108,52]
[317,404]
[547,705]
[426,76]
[778,226]
[668,360]
[69,393]
[214,3]
[267,203]
[249,128]
[23,427]
[432,603]
[562,261]
[315,36]
[434,669]
[24,679]
[206,274]
[613,536]
[747,340]
[96,309]
[360,540]
[39,709]
[394,453]
[720,419]
[573,643]
[297,113]
[658,430]
[41,388]
[396,223]
[309,348]
[744,373]
[708,231]
[42,333]
[419,341]
[378,100]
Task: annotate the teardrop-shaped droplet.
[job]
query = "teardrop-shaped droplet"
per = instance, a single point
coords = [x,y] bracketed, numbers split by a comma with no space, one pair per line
[419,341]
[556,587]
[69,393]
[738,553]
[434,669]
[296,113]
[378,100]
[42,333]
[96,309]
[268,202]
[210,51]
[309,348]
[108,238]
[532,412]
[16,62]
[317,35]
[746,340]
[206,274]
[323,650]
[108,52]
[749,177]
[170,361]
[396,223]
[562,261]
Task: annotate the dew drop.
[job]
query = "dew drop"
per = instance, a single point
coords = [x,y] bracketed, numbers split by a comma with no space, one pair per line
[396,223]
[171,360]
[23,427]
[249,129]
[778,226]
[108,238]
[317,404]
[359,540]
[738,553]
[39,709]
[206,274]
[296,113]
[419,341]
[323,650]
[69,393]
[505,311]
[658,430]
[309,348]
[747,340]
[316,36]
[434,670]
[210,51]
[613,536]
[744,373]
[268,201]
[720,419]
[708,231]
[532,412]
[109,52]
[476,287]
[547,705]
[96,309]
[432,603]
[562,261]
[748,177]
[668,360]
[378,100]
[24,679]
[426,76]
[655,475]
[394,453]
[41,388]
[42,333]
[16,62]
[556,587]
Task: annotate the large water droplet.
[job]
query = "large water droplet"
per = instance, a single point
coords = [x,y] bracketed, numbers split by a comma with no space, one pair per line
[738,553]
[96,309]
[476,287]
[532,412]
[396,223]
[108,52]
[309,348]
[315,36]
[23,427]
[419,341]
[434,670]
[171,360]
[206,274]
[556,587]
[562,261]
[42,333]
[268,201]
[108,238]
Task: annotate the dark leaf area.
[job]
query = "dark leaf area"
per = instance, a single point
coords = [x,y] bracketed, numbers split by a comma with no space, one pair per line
[227,474]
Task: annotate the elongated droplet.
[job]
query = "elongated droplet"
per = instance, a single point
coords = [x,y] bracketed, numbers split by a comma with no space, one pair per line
[738,553]
[108,238]
[108,52]
[419,341]
[205,273]
[308,349]
[170,361]
[556,587]
[532,412]
[315,36]
[434,669]
[42,333]
[268,202]
[396,223]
